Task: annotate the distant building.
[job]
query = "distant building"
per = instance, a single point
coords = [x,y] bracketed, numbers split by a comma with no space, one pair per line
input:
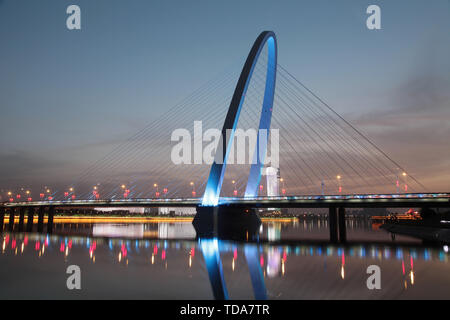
[273,181]
[176,211]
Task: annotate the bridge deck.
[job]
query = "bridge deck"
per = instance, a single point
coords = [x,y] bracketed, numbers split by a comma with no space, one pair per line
[308,201]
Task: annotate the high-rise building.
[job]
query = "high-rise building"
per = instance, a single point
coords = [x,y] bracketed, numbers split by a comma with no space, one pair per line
[273,180]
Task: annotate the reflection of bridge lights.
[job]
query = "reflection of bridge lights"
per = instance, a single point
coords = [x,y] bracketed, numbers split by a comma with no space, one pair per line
[273,262]
[232,265]
[282,267]
[411,276]
[342,272]
[153,258]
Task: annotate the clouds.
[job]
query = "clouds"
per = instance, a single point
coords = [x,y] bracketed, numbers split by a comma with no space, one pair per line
[21,167]
[415,127]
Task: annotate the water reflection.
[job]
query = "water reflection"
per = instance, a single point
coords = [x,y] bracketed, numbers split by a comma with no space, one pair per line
[167,268]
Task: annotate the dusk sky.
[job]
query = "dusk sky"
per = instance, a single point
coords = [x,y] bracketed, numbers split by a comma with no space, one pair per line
[67,97]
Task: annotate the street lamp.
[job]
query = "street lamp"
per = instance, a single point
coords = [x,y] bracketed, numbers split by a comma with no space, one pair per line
[193,189]
[339,183]
[235,192]
[404,177]
[283,189]
[157,189]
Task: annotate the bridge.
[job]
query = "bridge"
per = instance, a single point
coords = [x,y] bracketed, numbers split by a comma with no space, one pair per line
[319,151]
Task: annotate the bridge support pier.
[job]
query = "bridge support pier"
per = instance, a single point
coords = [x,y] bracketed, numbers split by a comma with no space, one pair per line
[2,217]
[342,226]
[21,218]
[30,219]
[226,223]
[51,213]
[332,224]
[12,212]
[41,219]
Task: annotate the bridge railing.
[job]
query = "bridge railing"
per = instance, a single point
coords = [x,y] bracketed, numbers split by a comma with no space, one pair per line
[224,200]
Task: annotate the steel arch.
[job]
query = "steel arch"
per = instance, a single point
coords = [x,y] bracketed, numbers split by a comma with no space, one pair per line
[216,175]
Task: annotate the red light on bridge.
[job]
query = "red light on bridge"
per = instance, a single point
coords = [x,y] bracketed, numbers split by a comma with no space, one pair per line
[41,195]
[235,192]
[194,193]
[50,198]
[29,199]
[11,199]
[97,196]
[73,197]
[66,194]
[283,191]
[261,187]
[340,189]
[157,194]
[125,195]
[406,187]
[18,196]
[165,190]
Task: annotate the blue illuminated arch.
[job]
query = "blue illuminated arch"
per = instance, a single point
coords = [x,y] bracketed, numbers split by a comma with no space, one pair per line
[216,175]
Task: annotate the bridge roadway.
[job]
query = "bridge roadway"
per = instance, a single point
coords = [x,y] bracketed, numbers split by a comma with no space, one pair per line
[336,205]
[307,201]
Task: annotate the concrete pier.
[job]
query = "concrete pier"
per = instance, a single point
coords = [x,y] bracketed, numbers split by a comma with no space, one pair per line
[12,212]
[21,218]
[342,226]
[2,218]
[30,219]
[41,219]
[51,214]
[226,223]
[332,224]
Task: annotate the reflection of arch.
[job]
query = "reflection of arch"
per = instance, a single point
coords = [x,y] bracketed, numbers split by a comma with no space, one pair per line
[211,254]
[215,180]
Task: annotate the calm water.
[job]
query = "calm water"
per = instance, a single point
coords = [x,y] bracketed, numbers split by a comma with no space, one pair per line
[166,261]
